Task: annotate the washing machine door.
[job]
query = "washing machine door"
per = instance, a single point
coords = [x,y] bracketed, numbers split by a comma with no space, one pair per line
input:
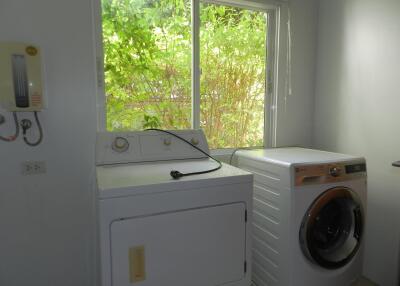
[331,230]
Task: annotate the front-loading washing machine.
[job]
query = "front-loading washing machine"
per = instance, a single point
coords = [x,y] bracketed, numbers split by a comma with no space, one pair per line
[155,230]
[308,216]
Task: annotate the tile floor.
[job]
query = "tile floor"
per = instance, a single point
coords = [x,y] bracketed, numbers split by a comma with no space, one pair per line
[364,282]
[361,282]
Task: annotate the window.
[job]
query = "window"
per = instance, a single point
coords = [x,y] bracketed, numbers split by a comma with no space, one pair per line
[147,64]
[179,64]
[232,85]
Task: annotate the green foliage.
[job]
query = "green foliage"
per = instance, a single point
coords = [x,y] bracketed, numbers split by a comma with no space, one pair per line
[151,122]
[147,45]
[233,76]
[147,63]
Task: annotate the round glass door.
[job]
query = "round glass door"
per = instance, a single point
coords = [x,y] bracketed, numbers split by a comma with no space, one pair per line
[331,230]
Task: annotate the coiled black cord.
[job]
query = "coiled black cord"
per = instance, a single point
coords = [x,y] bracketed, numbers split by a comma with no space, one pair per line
[33,144]
[176,174]
[16,134]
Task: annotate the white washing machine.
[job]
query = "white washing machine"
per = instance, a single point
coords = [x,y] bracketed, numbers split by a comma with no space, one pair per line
[158,231]
[308,216]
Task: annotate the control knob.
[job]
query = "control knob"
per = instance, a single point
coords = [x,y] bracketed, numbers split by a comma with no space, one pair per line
[335,171]
[120,144]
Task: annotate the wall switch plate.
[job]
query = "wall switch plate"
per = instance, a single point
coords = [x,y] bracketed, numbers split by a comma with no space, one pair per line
[33,168]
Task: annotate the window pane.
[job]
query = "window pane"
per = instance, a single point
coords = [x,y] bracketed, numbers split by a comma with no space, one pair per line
[147,48]
[232,87]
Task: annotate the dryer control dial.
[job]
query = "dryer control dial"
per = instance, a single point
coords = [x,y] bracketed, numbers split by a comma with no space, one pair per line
[167,141]
[335,171]
[120,144]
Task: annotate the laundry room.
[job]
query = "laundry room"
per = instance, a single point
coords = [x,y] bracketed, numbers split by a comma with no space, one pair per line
[199,143]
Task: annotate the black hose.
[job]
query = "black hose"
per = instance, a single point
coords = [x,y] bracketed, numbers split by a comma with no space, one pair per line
[33,144]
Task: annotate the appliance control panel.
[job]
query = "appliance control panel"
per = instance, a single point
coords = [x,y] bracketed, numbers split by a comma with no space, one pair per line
[148,146]
[329,173]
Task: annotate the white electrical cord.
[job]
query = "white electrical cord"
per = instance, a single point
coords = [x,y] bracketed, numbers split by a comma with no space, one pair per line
[288,81]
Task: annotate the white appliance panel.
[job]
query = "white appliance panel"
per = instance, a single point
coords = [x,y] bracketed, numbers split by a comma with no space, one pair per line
[281,201]
[148,146]
[294,155]
[158,231]
[127,179]
[205,246]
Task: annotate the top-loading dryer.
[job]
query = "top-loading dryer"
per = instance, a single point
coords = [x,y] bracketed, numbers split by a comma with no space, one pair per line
[158,231]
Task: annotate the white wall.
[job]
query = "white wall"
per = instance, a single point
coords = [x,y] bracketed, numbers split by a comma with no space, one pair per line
[295,112]
[45,221]
[357,111]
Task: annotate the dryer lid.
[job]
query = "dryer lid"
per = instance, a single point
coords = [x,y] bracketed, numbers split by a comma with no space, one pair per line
[154,177]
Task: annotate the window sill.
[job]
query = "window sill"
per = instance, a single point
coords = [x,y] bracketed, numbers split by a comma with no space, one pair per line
[224,155]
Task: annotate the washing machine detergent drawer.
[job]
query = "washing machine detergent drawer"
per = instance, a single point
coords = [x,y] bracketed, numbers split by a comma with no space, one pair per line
[198,247]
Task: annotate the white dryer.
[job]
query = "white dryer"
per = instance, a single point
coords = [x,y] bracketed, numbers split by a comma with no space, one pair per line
[158,231]
[308,216]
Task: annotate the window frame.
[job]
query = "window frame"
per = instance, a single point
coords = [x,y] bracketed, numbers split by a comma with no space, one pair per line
[273,10]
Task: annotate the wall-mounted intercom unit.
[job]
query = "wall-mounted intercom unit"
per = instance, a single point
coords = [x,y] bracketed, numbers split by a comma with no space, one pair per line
[20,77]
[21,87]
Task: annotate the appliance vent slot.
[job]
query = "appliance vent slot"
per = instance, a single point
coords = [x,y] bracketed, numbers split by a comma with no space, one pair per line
[20,79]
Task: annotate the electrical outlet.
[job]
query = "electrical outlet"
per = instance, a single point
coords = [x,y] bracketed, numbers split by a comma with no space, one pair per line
[33,168]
